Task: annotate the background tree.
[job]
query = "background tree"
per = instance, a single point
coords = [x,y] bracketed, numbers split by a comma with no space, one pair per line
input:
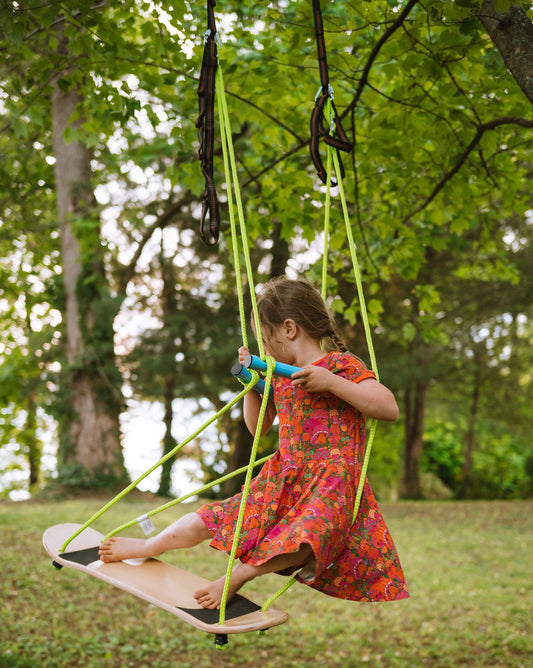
[91,444]
[511,30]
[441,159]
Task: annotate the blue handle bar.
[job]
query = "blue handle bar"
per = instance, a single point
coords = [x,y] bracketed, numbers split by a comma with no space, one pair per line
[280,369]
[242,372]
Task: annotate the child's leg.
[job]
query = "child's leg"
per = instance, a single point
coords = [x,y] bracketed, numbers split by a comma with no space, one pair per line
[188,531]
[210,596]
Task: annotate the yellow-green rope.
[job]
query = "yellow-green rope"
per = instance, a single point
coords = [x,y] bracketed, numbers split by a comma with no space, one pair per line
[325,253]
[355,263]
[368,334]
[232,177]
[232,186]
[277,594]
[225,136]
[246,488]
[230,168]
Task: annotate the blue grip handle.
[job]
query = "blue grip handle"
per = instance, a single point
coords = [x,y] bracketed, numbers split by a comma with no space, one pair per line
[242,372]
[280,369]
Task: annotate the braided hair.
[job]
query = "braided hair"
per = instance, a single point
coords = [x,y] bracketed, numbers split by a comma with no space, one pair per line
[282,298]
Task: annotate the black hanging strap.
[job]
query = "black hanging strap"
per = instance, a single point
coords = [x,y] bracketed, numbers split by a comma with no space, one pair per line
[206,129]
[338,139]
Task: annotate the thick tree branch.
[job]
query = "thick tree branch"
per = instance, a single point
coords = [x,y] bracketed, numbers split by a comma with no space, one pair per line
[512,34]
[481,129]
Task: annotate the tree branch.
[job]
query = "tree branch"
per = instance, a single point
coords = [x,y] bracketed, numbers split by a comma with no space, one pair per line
[268,115]
[273,163]
[160,223]
[481,129]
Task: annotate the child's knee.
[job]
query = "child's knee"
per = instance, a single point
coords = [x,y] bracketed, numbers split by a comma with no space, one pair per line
[197,525]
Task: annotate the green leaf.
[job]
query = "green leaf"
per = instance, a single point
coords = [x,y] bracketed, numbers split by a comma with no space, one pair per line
[502,5]
[408,331]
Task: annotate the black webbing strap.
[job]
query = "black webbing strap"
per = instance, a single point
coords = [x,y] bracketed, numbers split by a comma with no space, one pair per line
[206,129]
[338,139]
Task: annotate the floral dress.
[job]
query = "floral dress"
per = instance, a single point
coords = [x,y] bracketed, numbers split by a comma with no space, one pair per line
[306,492]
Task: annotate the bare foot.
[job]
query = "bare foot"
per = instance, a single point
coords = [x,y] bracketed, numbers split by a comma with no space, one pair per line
[118,549]
[211,595]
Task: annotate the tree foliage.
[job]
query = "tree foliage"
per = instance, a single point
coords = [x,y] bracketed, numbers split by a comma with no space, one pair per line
[437,187]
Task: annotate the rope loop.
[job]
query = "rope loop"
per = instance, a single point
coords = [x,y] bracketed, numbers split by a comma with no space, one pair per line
[205,122]
[335,136]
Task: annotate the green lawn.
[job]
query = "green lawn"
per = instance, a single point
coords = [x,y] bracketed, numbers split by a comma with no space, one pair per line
[468,566]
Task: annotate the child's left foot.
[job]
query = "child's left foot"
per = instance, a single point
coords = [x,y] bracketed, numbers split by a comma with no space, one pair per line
[211,595]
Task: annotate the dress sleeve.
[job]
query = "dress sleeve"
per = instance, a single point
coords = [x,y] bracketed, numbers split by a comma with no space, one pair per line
[350,367]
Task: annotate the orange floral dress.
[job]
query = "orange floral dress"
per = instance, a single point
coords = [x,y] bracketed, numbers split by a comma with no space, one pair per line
[306,492]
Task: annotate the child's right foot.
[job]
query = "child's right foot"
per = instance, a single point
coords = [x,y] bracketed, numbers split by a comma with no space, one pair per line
[118,549]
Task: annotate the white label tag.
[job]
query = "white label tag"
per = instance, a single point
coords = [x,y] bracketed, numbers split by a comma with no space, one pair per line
[146,524]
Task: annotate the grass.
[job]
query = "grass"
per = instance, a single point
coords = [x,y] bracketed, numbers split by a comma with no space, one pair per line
[468,567]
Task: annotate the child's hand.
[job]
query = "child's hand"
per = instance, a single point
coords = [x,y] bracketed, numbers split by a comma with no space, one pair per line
[312,379]
[243,354]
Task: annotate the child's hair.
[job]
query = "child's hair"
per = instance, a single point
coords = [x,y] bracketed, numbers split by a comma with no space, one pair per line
[282,298]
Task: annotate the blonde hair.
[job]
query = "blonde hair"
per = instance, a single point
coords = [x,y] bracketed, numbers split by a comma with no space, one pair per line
[282,298]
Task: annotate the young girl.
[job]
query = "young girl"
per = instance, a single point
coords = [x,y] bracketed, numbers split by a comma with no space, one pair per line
[299,510]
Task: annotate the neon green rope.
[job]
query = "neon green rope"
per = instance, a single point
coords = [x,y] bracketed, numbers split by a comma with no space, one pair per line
[231,176]
[325,253]
[355,263]
[225,135]
[246,488]
[232,181]
[368,334]
[276,595]
[230,167]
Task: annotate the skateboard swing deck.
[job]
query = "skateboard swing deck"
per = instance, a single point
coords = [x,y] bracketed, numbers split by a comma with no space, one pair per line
[156,582]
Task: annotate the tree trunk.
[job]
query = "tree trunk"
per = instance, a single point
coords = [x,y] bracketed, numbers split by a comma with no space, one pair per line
[169,442]
[240,456]
[90,448]
[169,306]
[414,411]
[466,472]
[33,443]
[512,34]
[280,251]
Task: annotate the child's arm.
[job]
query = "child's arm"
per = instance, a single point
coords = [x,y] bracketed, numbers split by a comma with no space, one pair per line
[252,405]
[369,397]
